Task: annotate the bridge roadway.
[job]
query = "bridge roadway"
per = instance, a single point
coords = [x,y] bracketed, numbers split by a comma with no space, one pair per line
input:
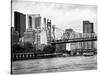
[74,40]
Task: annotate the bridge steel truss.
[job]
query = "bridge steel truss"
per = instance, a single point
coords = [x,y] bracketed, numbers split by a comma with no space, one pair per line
[85,37]
[74,40]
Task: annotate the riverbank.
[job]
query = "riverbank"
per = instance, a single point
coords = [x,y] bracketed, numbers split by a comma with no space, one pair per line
[58,64]
[28,56]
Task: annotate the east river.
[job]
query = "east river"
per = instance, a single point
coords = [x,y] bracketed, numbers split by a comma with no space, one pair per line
[58,64]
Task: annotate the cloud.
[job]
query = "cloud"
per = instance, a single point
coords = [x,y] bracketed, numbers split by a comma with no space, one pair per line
[62,15]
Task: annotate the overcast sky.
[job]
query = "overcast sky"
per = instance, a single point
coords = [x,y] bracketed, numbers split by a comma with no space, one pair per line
[62,15]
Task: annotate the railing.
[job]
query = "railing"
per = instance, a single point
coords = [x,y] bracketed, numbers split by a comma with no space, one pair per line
[78,35]
[78,39]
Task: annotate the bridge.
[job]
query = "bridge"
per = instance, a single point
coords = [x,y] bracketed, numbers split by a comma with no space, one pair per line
[70,36]
[80,39]
[59,36]
[65,36]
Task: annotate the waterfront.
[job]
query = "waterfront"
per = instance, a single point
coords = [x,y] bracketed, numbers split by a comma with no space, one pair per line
[58,64]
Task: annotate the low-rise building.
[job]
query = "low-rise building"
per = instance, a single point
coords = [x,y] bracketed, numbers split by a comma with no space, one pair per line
[14,36]
[29,36]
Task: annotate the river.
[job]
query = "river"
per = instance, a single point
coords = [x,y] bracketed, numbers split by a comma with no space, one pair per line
[58,64]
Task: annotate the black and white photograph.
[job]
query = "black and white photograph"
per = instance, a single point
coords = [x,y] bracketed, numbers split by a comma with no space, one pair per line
[52,37]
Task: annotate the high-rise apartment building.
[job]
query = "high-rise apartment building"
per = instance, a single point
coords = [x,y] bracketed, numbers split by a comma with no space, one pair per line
[34,23]
[20,23]
[48,31]
[29,36]
[88,28]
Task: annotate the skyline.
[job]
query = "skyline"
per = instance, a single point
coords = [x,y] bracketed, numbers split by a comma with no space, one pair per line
[62,15]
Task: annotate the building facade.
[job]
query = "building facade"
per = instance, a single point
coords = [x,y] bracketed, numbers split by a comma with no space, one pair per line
[60,48]
[29,36]
[88,29]
[48,31]
[71,34]
[34,23]
[14,36]
[20,23]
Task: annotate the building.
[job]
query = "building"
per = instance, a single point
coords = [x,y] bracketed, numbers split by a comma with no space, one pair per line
[60,48]
[88,29]
[34,23]
[20,23]
[68,34]
[77,45]
[14,36]
[71,34]
[29,36]
[48,31]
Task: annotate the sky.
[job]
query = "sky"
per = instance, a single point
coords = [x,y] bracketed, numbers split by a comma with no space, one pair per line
[62,15]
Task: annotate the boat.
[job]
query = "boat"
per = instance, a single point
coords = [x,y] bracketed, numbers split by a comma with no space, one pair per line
[88,53]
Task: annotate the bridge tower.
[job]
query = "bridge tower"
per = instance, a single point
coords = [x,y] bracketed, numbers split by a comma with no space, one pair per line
[47,24]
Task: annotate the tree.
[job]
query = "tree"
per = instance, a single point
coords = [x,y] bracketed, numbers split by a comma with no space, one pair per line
[49,49]
[28,45]
[16,48]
